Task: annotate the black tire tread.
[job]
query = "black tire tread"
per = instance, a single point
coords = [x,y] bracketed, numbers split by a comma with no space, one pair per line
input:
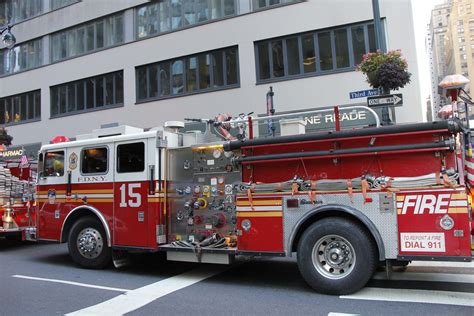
[361,240]
[103,260]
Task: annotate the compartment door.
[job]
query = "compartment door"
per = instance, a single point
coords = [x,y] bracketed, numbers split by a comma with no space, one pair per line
[433,223]
[131,194]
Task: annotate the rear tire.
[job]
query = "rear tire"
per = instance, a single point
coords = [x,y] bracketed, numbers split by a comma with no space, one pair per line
[87,244]
[336,256]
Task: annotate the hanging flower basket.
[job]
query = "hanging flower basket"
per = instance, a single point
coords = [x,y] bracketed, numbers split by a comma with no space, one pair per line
[385,70]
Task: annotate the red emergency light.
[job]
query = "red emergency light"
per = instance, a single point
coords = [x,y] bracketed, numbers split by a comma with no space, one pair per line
[59,139]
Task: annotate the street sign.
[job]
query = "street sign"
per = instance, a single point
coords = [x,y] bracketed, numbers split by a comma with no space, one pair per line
[386,100]
[363,93]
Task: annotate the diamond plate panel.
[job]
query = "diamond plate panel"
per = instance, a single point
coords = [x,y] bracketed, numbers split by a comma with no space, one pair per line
[384,220]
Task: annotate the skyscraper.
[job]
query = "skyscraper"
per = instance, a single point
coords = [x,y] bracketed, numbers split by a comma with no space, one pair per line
[437,52]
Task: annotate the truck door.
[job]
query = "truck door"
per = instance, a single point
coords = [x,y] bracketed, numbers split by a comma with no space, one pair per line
[130,194]
[51,195]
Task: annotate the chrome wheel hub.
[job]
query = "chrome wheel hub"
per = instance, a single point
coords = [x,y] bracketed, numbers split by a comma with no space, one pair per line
[90,243]
[333,256]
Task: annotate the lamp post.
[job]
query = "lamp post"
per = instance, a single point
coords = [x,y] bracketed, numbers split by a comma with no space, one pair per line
[378,26]
[379,46]
[8,39]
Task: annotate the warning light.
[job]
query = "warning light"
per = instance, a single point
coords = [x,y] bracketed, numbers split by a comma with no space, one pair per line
[60,139]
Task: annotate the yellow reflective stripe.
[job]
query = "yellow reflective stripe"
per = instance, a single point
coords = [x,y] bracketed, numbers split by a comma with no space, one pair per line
[458,196]
[56,191]
[259,214]
[96,200]
[260,203]
[92,191]
[457,210]
[400,198]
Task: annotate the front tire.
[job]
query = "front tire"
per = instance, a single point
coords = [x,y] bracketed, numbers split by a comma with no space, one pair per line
[336,256]
[87,244]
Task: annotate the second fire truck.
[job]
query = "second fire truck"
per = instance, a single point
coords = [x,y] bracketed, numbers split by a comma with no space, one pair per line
[342,201]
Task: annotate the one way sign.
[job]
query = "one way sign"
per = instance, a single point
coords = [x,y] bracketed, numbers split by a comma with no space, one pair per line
[385,100]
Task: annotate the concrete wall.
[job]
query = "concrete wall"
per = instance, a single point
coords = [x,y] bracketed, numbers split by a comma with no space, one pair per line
[242,31]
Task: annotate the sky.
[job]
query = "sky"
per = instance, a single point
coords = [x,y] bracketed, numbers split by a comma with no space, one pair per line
[422,12]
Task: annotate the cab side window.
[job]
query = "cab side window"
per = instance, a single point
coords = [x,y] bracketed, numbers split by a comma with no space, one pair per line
[54,164]
[131,157]
[94,160]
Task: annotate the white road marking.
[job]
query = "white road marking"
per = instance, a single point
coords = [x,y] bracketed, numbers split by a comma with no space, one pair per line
[426,276]
[135,299]
[413,296]
[441,264]
[71,283]
[341,314]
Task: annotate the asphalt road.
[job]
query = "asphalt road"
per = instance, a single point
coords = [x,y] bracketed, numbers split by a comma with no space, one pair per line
[41,279]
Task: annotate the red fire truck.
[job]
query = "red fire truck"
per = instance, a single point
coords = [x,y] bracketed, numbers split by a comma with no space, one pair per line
[342,201]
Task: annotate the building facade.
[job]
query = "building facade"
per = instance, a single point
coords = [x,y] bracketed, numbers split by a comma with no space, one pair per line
[436,47]
[79,65]
[460,40]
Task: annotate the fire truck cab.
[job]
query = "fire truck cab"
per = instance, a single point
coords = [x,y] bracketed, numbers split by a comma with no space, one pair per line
[343,200]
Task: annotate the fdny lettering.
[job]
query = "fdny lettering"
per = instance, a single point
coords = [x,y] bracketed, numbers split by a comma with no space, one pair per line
[426,204]
[91,179]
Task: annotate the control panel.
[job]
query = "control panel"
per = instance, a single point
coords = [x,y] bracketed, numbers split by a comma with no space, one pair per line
[201,193]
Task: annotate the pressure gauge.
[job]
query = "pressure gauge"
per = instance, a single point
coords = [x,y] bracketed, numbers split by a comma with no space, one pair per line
[216,153]
[228,189]
[228,154]
[187,190]
[197,189]
[186,165]
[206,189]
[220,180]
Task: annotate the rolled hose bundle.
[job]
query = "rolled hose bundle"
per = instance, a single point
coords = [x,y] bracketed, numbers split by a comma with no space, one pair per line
[355,183]
[413,182]
[321,185]
[214,241]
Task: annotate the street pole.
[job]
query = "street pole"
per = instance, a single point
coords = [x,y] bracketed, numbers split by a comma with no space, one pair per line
[378,26]
[379,46]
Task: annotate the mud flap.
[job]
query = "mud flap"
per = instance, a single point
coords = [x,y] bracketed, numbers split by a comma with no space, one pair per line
[121,258]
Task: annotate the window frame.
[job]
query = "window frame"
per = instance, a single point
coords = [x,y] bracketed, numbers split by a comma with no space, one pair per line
[7,104]
[15,57]
[268,6]
[185,62]
[85,26]
[117,154]
[117,75]
[183,25]
[82,158]
[64,162]
[315,36]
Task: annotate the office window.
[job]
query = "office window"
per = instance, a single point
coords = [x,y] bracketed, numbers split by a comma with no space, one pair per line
[94,160]
[88,94]
[131,157]
[105,32]
[313,53]
[262,4]
[23,56]
[14,11]
[204,72]
[170,15]
[55,4]
[20,108]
